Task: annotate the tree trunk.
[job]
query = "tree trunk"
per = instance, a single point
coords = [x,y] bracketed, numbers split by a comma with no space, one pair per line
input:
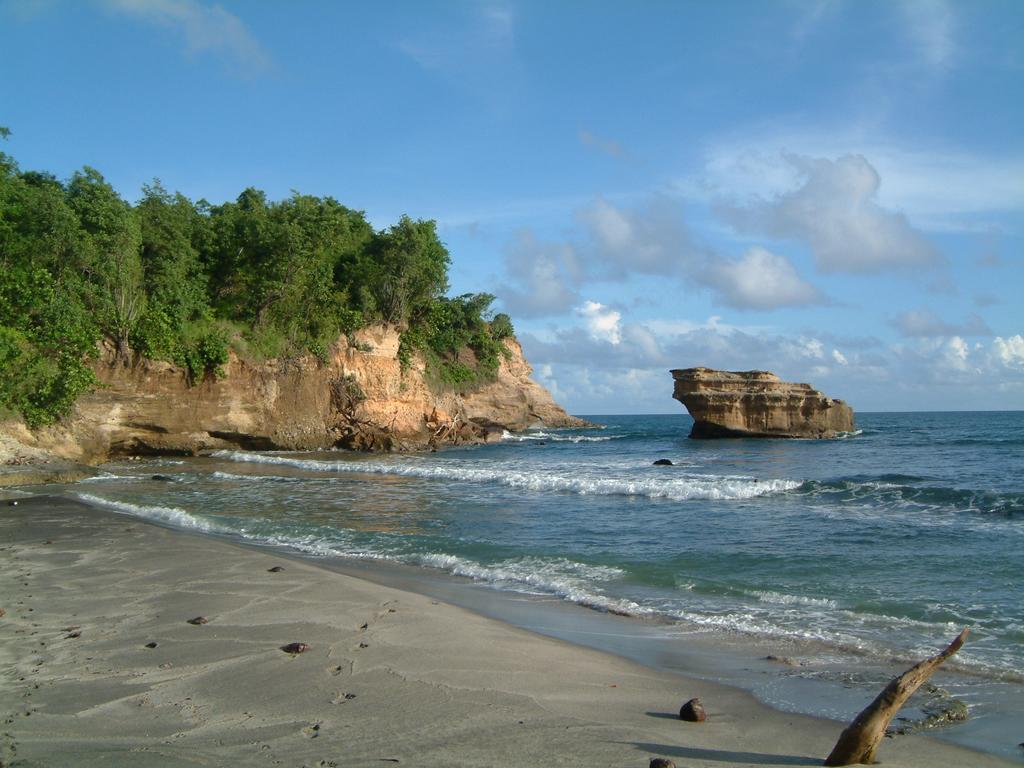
[858,743]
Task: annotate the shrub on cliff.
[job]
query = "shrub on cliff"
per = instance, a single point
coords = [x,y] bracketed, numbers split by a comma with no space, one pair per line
[462,348]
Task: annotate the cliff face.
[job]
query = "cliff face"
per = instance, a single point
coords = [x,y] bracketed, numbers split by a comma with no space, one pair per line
[757,404]
[359,399]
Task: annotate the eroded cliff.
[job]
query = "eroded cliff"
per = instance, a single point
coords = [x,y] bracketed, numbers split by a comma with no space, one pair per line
[360,398]
[757,404]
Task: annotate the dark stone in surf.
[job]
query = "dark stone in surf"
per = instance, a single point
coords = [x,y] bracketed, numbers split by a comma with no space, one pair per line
[151,645]
[693,712]
[661,762]
[275,569]
[199,620]
[663,463]
[163,478]
[295,648]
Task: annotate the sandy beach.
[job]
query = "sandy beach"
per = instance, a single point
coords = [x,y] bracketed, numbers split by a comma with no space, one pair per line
[389,677]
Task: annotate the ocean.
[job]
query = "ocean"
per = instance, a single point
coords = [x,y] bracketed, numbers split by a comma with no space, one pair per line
[844,559]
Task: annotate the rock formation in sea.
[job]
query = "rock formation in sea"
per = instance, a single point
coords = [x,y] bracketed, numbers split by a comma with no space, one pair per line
[360,398]
[757,404]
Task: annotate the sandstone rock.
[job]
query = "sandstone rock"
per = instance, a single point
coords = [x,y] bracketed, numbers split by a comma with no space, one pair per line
[360,398]
[693,712]
[757,404]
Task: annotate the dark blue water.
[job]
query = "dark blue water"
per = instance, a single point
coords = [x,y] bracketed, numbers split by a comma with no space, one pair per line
[884,543]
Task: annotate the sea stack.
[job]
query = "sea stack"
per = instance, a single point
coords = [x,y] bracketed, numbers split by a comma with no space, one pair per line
[757,404]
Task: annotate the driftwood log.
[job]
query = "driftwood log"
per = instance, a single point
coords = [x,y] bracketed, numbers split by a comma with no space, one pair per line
[859,742]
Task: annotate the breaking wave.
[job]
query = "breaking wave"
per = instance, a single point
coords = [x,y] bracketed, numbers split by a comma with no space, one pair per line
[175,516]
[681,488]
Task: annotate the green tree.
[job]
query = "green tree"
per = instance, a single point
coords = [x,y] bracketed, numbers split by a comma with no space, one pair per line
[46,329]
[175,281]
[406,271]
[114,238]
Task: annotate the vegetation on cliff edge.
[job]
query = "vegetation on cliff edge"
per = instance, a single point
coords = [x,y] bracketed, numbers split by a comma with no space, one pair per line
[184,281]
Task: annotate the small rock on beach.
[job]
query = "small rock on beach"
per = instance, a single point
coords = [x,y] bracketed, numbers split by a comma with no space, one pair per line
[693,712]
[199,620]
[295,648]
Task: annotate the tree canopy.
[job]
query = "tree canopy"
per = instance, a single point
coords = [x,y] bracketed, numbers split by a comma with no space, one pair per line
[185,281]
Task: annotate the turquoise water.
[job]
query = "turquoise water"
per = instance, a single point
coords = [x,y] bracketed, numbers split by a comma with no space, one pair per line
[884,543]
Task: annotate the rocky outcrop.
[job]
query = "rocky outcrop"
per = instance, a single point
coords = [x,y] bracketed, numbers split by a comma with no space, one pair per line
[757,404]
[359,398]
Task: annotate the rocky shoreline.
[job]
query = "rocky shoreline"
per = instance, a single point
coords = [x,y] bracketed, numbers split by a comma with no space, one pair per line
[360,398]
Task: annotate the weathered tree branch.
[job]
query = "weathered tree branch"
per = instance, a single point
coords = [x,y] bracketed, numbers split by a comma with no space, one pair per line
[859,742]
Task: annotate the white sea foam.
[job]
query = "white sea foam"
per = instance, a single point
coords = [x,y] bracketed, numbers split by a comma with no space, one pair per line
[661,486]
[572,581]
[524,437]
[255,478]
[854,433]
[779,598]
[173,515]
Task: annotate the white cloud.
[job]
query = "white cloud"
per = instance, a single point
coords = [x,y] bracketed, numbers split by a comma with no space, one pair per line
[205,28]
[543,274]
[835,212]
[937,189]
[760,279]
[618,242]
[652,239]
[925,323]
[602,322]
[1010,351]
[926,373]
[955,354]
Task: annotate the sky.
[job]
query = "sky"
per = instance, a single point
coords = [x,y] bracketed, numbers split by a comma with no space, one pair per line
[832,190]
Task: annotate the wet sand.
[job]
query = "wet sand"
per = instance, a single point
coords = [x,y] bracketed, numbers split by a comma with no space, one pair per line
[390,677]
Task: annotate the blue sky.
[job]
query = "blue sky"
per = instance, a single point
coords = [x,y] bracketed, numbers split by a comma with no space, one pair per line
[830,190]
